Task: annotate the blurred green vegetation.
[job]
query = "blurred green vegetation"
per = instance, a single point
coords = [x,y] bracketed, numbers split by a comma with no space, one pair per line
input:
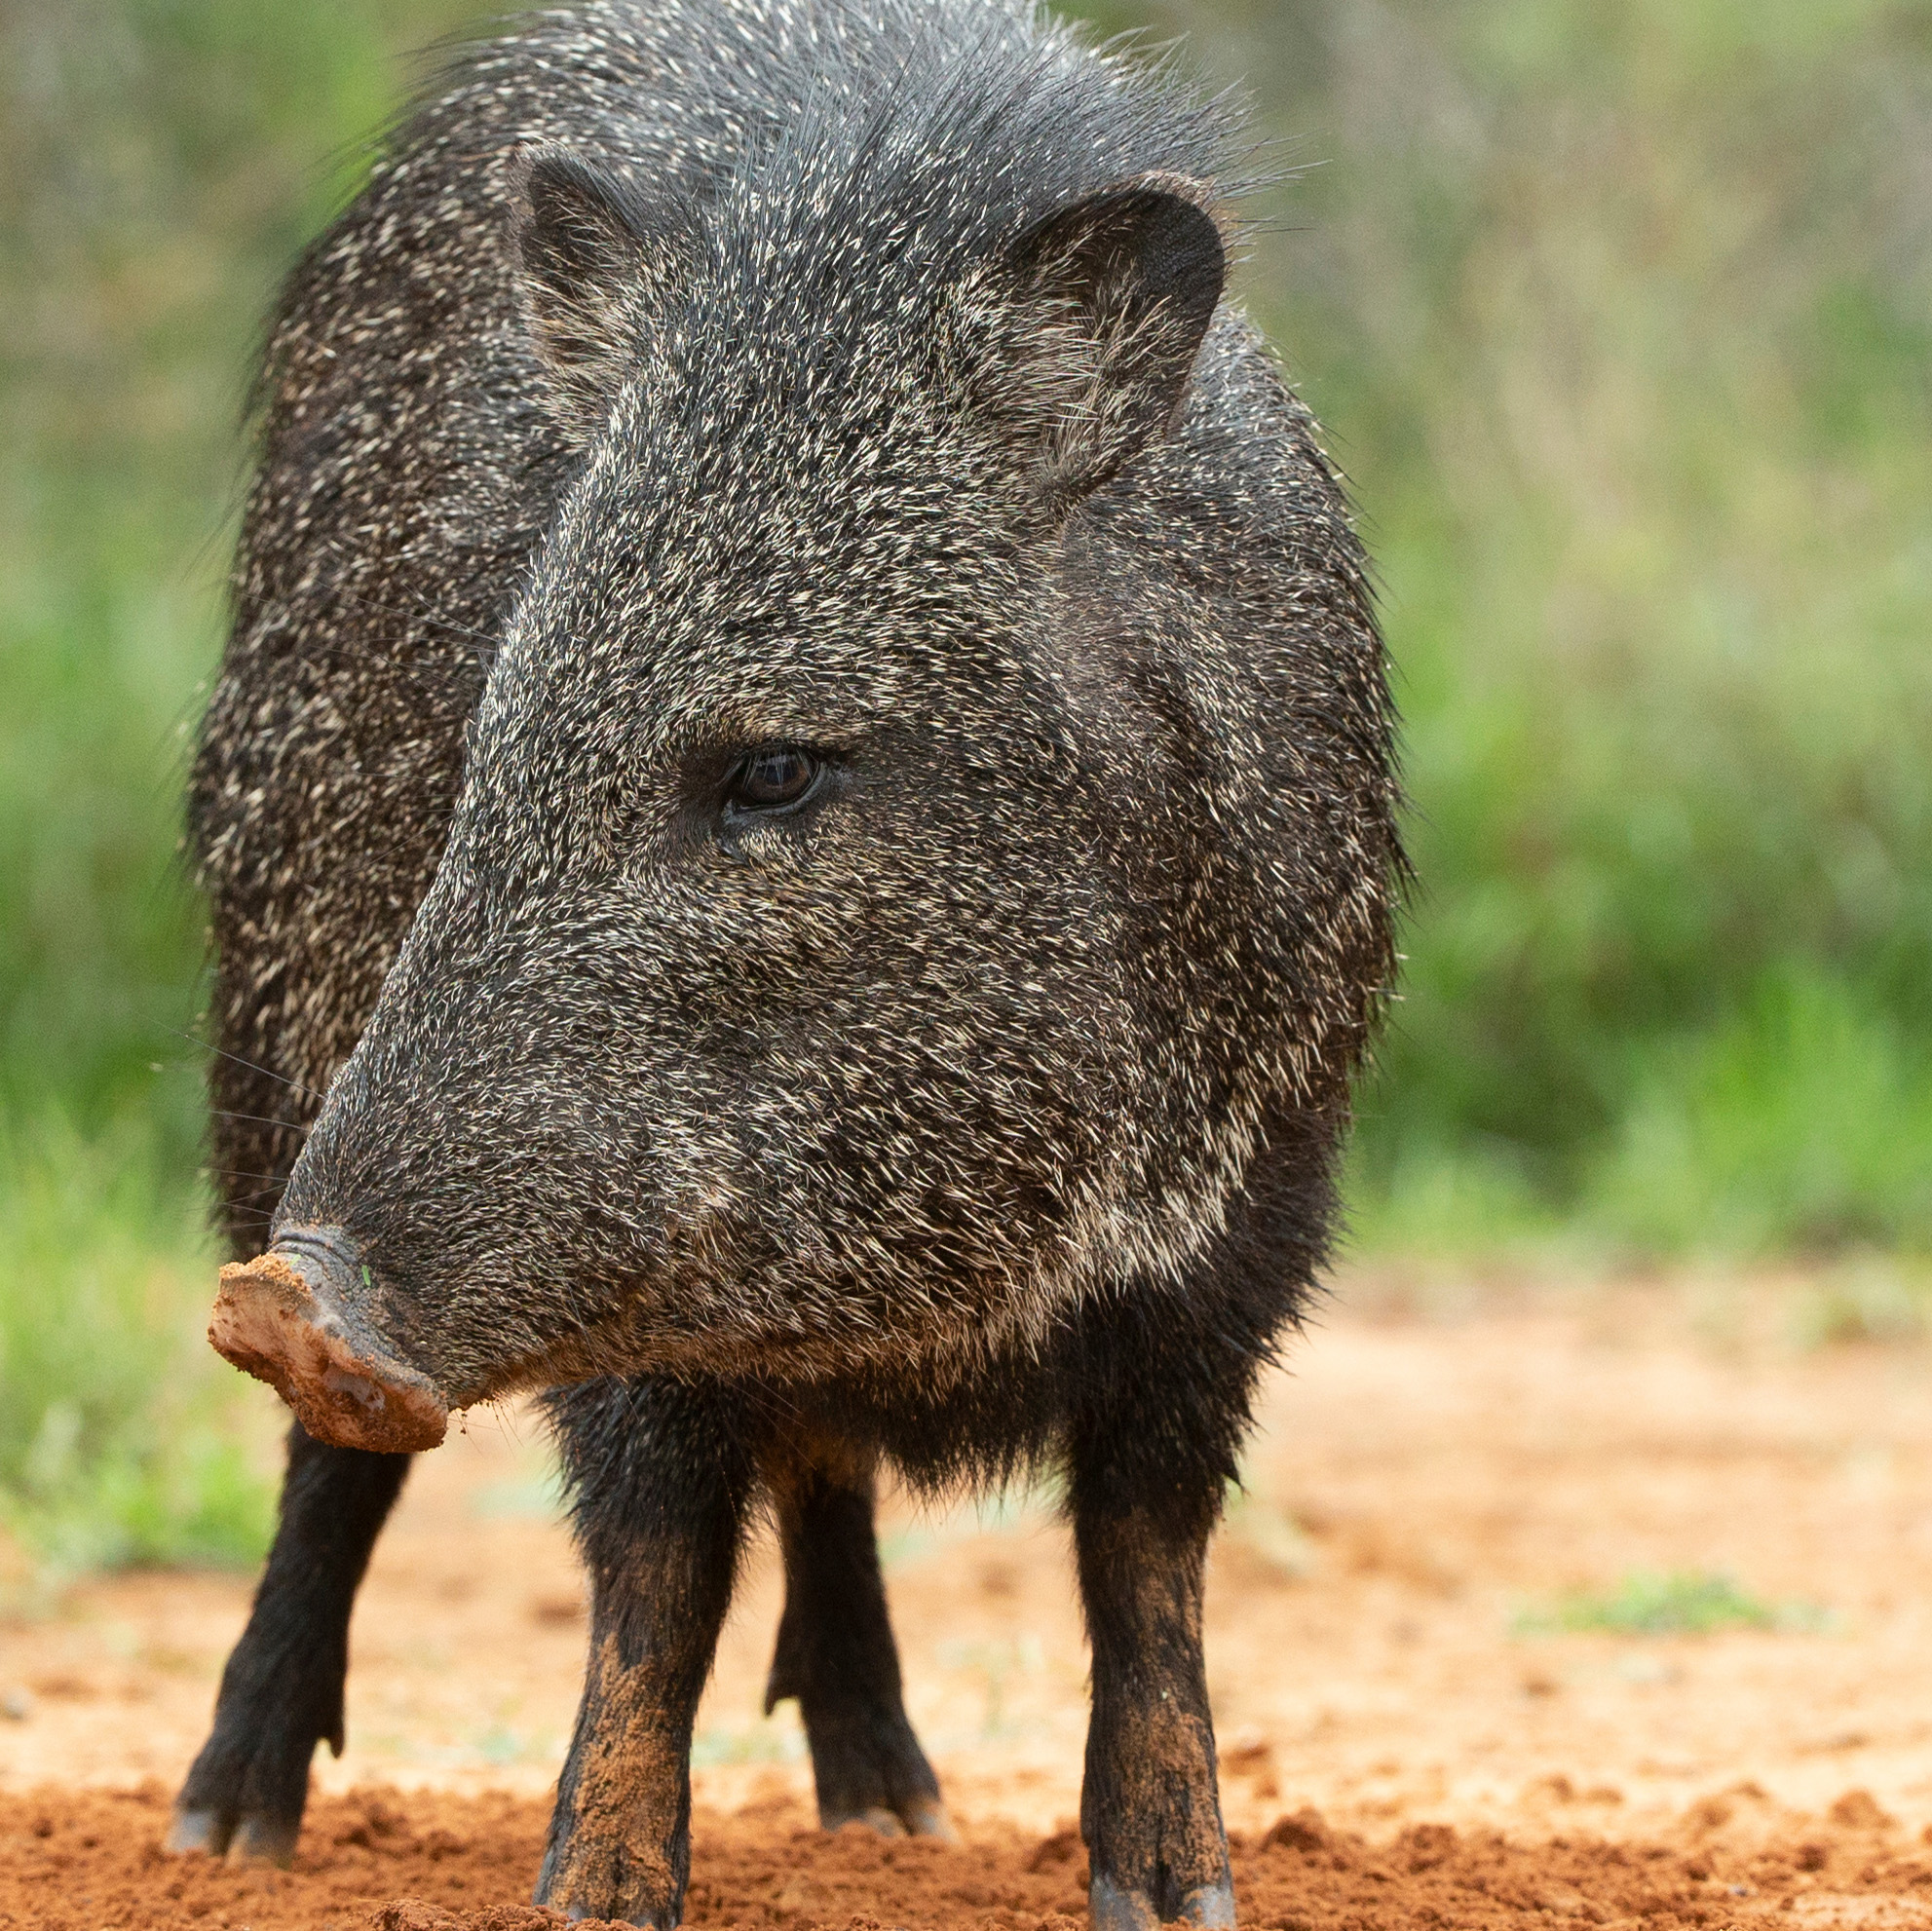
[1619,320]
[117,1442]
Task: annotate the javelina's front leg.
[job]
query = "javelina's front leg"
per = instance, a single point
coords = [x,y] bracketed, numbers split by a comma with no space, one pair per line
[1149,1806]
[660,1484]
[835,1654]
[281,1690]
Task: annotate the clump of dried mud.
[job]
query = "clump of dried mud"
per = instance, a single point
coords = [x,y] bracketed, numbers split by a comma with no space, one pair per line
[81,1860]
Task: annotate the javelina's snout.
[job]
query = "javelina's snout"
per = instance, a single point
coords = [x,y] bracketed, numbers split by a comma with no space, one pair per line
[293,1318]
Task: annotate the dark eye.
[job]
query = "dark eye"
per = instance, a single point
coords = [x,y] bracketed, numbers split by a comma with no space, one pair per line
[772,779]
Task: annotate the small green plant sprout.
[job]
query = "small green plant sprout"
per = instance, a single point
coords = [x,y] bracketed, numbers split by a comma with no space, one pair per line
[1680,1603]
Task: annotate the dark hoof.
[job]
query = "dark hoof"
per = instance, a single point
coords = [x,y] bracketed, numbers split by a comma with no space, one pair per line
[197,1830]
[927,1818]
[918,1817]
[877,1818]
[263,1839]
[592,1878]
[1113,1909]
[254,1838]
[578,1913]
[1212,1906]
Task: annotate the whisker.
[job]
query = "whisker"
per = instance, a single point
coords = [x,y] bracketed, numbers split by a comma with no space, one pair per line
[423,614]
[261,1119]
[250,1201]
[222,1052]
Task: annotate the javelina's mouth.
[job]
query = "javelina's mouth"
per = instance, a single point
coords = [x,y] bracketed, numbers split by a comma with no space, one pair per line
[290,1318]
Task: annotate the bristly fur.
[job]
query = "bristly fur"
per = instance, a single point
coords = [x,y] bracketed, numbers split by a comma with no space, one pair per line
[698,376]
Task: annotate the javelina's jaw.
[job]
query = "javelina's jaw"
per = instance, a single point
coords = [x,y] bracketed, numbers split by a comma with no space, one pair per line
[290,1318]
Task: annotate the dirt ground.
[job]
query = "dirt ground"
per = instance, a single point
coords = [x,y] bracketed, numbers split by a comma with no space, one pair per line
[1401,1747]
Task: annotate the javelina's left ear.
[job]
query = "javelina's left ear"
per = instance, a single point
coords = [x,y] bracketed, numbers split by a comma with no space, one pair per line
[594,260]
[1100,312]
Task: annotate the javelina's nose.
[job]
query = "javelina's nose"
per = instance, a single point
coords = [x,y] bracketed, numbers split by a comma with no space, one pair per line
[296,1318]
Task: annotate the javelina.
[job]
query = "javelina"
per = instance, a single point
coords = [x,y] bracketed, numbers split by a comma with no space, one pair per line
[805,760]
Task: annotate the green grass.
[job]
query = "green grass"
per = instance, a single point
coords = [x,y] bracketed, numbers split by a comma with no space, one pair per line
[1618,320]
[1802,1118]
[1681,1602]
[123,1439]
[1630,371]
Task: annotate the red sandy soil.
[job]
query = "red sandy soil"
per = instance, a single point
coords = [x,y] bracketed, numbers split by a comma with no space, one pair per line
[437,1862]
[1396,1752]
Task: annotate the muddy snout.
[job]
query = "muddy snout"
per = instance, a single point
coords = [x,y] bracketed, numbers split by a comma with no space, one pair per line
[289,1318]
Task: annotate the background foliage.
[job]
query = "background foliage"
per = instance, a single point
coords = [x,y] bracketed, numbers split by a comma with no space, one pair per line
[1619,319]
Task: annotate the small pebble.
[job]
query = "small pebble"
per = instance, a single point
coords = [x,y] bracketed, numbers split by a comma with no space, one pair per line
[16,1705]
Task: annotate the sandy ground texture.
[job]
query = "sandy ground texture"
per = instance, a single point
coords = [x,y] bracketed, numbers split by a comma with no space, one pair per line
[1404,1740]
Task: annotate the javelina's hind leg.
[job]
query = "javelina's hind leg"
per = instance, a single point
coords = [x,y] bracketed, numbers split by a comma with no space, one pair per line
[661,1482]
[281,1690]
[835,1654]
[1149,1806]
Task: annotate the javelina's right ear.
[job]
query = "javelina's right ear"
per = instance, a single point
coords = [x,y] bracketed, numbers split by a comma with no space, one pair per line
[1096,314]
[593,263]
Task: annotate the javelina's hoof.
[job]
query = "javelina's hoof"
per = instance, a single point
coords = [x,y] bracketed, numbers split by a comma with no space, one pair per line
[284,1319]
[600,1881]
[196,1830]
[1113,1909]
[927,1818]
[250,1838]
[921,1817]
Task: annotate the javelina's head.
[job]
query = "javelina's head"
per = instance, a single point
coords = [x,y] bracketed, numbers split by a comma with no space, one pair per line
[838,955]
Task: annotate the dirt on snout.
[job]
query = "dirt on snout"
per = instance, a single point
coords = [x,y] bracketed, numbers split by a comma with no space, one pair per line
[428,1861]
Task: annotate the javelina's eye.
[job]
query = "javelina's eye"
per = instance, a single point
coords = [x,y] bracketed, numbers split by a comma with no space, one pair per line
[773,779]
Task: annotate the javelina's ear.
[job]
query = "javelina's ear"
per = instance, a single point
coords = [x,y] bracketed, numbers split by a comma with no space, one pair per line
[593,263]
[1106,303]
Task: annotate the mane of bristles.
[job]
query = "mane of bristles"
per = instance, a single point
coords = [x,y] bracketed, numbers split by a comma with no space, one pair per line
[920,131]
